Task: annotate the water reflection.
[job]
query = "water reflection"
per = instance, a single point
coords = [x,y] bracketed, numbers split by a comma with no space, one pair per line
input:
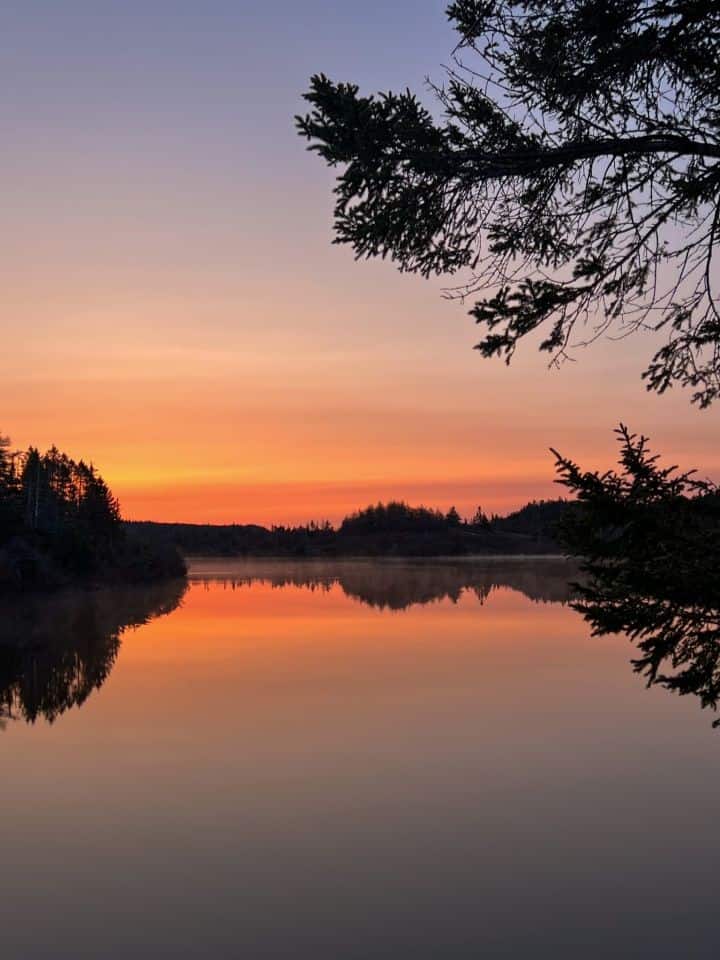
[677,639]
[399,584]
[674,619]
[56,649]
[288,773]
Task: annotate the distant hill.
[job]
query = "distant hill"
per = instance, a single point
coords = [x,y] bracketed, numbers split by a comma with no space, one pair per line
[392,529]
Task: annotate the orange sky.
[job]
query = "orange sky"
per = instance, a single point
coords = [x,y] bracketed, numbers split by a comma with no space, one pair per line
[176,313]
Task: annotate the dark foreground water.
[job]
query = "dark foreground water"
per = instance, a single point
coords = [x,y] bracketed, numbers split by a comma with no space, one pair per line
[356,760]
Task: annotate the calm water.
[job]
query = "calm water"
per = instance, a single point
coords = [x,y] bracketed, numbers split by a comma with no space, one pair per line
[356,760]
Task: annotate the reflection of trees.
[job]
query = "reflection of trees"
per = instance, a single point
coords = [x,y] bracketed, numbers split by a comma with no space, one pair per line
[56,649]
[650,539]
[396,584]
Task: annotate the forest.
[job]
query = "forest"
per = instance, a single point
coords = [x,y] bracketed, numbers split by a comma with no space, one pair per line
[382,529]
[60,524]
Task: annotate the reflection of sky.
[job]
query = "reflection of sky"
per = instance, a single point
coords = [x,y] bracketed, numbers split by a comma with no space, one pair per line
[283,772]
[175,310]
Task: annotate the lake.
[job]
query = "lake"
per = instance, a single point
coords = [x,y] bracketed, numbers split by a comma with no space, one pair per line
[347,760]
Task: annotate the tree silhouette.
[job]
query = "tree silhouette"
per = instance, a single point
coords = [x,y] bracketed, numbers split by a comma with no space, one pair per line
[480,519]
[575,175]
[650,539]
[10,491]
[452,517]
[58,518]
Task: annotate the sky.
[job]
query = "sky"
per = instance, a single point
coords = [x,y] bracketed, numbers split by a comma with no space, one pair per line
[173,308]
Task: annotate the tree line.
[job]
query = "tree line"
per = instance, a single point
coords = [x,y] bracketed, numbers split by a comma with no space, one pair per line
[381,529]
[59,520]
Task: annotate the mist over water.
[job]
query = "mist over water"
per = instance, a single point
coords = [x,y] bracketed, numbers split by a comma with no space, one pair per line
[398,584]
[350,759]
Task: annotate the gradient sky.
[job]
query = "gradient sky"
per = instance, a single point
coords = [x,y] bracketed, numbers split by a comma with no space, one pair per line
[174,310]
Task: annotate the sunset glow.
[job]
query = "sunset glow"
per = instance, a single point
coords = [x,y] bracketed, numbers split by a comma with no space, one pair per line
[175,310]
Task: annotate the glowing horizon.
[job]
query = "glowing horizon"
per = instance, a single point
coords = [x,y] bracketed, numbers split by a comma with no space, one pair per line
[178,315]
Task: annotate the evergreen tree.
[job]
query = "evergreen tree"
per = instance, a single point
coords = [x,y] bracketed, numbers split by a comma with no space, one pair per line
[572,172]
[66,521]
[452,517]
[480,519]
[649,539]
[10,496]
